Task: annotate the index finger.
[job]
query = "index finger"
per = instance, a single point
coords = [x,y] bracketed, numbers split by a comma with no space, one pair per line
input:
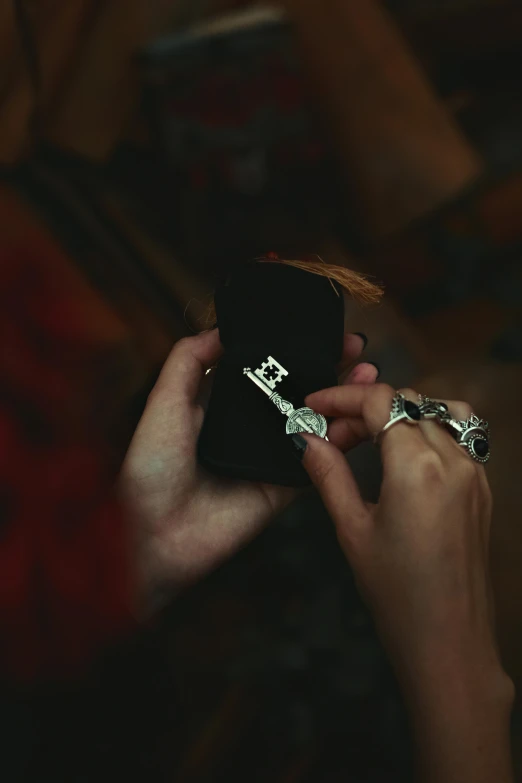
[340,401]
[369,404]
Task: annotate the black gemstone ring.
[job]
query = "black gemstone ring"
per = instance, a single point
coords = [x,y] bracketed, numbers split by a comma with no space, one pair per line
[478,449]
[473,435]
[403,410]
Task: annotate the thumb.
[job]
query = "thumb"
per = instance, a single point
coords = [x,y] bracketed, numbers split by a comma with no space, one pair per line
[331,475]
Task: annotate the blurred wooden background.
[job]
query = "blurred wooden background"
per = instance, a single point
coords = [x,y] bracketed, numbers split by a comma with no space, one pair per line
[421,103]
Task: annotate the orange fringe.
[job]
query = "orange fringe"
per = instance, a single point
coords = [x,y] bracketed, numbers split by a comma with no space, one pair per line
[357,285]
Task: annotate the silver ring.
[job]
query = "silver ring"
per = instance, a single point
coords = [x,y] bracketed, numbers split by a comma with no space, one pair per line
[432,409]
[473,435]
[403,410]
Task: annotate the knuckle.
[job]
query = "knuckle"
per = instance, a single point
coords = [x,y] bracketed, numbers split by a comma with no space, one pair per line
[376,406]
[378,396]
[427,468]
[183,345]
[383,391]
[465,470]
[410,394]
[465,410]
[464,477]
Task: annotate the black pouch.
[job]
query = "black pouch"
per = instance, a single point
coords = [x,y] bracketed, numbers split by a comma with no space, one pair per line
[269,309]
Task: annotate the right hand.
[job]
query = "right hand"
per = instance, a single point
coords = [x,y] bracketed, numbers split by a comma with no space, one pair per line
[420,556]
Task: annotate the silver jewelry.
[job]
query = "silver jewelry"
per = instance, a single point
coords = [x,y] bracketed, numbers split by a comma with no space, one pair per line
[473,435]
[402,411]
[266,378]
[431,409]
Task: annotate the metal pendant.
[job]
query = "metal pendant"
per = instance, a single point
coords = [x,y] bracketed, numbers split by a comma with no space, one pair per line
[266,378]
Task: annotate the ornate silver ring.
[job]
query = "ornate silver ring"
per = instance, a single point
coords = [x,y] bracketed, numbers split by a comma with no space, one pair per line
[473,435]
[432,409]
[403,410]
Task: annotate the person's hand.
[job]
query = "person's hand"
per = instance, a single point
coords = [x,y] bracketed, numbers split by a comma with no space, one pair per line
[421,554]
[420,558]
[187,521]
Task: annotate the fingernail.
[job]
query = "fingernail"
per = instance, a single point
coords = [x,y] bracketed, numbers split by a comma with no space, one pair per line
[299,446]
[376,367]
[363,338]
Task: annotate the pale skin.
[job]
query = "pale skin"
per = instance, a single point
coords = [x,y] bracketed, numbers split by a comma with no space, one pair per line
[421,561]
[188,521]
[420,557]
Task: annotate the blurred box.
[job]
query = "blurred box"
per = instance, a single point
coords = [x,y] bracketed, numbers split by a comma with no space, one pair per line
[230,111]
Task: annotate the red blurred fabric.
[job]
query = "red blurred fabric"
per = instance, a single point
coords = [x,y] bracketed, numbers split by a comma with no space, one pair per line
[65,575]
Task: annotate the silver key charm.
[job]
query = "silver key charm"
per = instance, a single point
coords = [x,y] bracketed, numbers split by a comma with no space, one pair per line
[266,378]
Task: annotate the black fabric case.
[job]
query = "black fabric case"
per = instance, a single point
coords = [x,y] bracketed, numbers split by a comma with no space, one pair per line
[268,309]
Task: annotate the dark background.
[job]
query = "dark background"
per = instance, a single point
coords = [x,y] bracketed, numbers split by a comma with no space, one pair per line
[152,150]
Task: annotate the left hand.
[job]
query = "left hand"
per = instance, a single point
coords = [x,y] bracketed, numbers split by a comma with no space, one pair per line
[186,520]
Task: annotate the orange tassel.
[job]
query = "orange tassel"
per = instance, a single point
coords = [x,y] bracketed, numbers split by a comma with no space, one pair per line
[357,285]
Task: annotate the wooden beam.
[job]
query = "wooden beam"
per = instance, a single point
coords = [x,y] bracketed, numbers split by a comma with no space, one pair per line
[485,30]
[402,152]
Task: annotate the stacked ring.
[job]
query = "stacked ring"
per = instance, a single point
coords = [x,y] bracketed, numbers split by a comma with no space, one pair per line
[473,434]
[403,410]
[431,409]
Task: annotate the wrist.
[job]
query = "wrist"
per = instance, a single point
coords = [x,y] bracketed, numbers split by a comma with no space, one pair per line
[460,656]
[466,684]
[461,723]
